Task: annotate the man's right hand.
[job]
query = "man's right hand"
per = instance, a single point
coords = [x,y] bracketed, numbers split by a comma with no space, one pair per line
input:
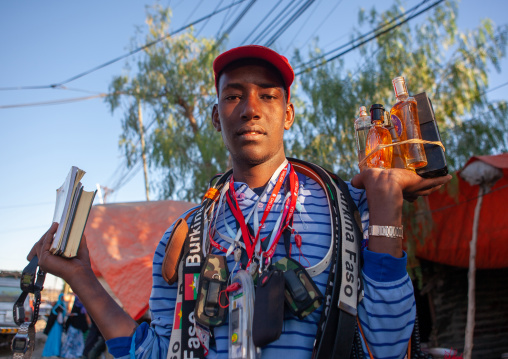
[65,268]
[112,321]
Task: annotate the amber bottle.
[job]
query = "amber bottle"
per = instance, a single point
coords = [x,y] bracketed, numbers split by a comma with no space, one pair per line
[378,135]
[404,116]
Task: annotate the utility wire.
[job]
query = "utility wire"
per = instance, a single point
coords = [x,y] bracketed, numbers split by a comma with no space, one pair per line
[236,21]
[289,22]
[207,20]
[268,27]
[57,85]
[362,42]
[277,3]
[55,102]
[322,22]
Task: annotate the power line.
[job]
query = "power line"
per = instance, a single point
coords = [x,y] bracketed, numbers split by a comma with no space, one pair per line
[110,62]
[55,102]
[264,32]
[236,21]
[362,42]
[289,22]
[277,3]
[322,22]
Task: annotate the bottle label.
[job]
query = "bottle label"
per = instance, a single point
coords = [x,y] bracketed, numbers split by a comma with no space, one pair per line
[397,124]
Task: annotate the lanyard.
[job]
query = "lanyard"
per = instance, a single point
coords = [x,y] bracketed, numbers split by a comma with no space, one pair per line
[285,218]
[234,239]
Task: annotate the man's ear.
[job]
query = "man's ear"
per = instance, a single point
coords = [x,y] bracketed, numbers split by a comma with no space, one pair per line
[215,117]
[290,116]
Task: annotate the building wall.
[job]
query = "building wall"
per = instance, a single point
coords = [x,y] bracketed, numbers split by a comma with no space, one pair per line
[448,297]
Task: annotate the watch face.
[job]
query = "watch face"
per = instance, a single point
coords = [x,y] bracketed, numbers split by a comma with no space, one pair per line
[26,280]
[19,344]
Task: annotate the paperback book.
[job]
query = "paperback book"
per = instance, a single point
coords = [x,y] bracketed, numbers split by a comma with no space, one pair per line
[72,208]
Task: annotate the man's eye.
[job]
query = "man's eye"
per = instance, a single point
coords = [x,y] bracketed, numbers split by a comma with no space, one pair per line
[232,97]
[268,97]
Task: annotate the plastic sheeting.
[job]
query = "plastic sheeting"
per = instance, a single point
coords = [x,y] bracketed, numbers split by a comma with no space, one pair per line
[122,238]
[453,213]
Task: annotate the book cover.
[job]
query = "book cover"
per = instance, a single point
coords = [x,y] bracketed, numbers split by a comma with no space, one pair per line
[72,207]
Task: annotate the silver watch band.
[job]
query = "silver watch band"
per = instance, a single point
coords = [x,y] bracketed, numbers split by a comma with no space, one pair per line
[386,231]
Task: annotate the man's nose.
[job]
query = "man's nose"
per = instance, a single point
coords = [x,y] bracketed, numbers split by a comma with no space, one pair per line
[250,109]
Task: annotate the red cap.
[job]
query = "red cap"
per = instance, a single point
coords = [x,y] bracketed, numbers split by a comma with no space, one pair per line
[254,52]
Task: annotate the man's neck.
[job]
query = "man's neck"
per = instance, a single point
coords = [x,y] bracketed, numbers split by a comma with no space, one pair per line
[256,175]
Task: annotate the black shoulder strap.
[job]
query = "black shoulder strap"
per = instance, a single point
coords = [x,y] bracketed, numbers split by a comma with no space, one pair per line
[336,329]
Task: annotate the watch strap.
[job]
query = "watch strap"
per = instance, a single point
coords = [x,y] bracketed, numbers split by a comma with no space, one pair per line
[386,231]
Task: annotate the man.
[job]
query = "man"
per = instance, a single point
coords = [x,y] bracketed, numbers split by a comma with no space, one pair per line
[252,112]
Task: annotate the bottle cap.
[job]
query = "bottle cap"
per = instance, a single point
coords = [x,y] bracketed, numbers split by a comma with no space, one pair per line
[399,86]
[377,112]
[362,111]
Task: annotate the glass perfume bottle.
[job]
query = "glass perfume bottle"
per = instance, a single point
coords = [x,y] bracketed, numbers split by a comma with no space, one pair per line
[362,127]
[398,156]
[378,135]
[404,116]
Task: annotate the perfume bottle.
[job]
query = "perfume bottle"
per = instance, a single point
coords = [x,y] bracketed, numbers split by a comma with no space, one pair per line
[404,116]
[362,127]
[398,156]
[378,135]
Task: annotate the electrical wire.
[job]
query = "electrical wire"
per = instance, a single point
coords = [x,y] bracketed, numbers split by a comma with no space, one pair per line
[277,3]
[236,21]
[55,102]
[321,23]
[206,22]
[289,22]
[376,35]
[110,62]
[268,27]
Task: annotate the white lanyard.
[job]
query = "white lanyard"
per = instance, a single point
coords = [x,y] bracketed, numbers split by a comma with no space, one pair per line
[232,239]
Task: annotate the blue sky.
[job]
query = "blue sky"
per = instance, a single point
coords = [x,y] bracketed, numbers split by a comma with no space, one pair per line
[48,42]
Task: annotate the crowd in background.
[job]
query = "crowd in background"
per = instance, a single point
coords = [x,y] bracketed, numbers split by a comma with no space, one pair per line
[71,333]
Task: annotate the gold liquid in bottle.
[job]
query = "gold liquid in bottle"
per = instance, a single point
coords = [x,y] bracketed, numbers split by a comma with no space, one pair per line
[404,116]
[362,127]
[399,156]
[378,135]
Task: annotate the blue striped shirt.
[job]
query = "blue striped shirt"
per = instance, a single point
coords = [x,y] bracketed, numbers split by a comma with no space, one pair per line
[386,313]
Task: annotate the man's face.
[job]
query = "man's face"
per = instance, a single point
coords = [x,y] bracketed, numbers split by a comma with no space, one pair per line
[252,114]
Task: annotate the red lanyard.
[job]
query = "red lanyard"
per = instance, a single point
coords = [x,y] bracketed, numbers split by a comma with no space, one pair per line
[251,240]
[289,210]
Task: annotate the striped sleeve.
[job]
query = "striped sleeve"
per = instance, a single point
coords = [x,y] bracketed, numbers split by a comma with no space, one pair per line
[388,309]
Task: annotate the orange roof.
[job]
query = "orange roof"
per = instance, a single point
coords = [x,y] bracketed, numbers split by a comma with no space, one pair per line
[122,238]
[453,214]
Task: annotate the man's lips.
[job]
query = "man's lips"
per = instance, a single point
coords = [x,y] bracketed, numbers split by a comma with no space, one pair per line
[251,131]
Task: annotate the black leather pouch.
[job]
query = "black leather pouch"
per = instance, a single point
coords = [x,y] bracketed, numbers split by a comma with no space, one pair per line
[268,308]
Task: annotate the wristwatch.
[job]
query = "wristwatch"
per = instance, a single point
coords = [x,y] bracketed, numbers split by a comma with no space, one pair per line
[23,342]
[386,231]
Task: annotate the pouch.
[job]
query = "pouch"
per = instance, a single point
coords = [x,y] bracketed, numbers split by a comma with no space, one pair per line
[211,305]
[174,248]
[268,308]
[301,294]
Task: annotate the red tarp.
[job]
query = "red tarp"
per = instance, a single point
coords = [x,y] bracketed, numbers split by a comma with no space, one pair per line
[122,238]
[453,215]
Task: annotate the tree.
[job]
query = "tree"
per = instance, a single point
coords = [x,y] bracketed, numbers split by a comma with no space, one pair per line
[435,57]
[175,86]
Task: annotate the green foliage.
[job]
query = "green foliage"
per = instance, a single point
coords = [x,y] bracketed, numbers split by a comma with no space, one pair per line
[174,82]
[433,56]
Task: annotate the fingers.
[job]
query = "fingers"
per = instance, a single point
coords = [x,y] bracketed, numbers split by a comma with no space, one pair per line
[36,249]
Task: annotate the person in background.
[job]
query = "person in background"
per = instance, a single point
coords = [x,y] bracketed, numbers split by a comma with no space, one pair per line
[75,326]
[54,328]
